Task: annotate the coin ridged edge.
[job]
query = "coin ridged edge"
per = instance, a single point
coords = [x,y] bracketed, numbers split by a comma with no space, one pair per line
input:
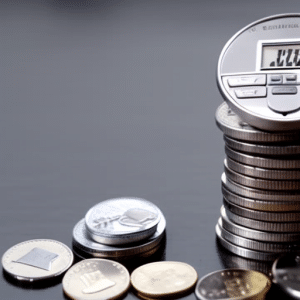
[261,215]
[262,162]
[256,234]
[280,185]
[247,253]
[257,245]
[262,225]
[253,193]
[269,174]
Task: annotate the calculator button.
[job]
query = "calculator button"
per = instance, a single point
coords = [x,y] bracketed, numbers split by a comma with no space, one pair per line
[284,90]
[235,81]
[274,79]
[255,92]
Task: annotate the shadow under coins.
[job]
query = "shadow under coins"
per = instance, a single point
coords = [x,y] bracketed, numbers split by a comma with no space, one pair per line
[32,285]
[158,253]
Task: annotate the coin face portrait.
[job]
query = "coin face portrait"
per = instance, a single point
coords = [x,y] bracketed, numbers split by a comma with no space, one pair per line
[162,279]
[96,279]
[232,284]
[37,259]
[122,220]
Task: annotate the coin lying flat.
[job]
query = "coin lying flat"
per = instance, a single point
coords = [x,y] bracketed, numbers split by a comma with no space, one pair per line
[233,126]
[96,279]
[255,234]
[163,279]
[262,162]
[251,171]
[279,206]
[122,220]
[37,259]
[264,184]
[82,241]
[233,284]
[257,193]
[286,274]
[260,149]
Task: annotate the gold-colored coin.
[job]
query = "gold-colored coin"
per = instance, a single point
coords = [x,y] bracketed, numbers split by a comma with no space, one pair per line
[96,279]
[233,284]
[163,279]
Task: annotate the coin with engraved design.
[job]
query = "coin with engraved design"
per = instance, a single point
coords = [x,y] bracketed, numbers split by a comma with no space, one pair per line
[37,259]
[233,284]
[163,279]
[122,221]
[82,241]
[96,279]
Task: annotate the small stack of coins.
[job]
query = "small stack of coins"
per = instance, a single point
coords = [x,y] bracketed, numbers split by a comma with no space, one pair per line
[119,229]
[260,216]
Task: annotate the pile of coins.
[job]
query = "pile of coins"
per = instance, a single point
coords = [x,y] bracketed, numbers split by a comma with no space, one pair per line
[260,216]
[119,229]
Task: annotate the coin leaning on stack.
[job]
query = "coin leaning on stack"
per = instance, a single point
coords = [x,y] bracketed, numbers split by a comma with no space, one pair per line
[260,216]
[119,229]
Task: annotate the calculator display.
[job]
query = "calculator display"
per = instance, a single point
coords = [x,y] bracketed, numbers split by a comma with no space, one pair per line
[281,56]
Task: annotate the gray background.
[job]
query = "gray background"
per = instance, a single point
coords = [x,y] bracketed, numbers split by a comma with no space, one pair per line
[104,99]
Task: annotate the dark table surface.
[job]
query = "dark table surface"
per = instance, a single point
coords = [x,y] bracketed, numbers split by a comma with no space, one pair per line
[104,99]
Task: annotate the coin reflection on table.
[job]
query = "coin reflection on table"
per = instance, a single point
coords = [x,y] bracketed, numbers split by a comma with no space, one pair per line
[233,284]
[96,279]
[163,279]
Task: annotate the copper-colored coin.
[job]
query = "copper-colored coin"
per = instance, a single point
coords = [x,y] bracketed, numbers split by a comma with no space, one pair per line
[233,284]
[163,279]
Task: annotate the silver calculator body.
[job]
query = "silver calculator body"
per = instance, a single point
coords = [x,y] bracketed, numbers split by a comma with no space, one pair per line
[258,73]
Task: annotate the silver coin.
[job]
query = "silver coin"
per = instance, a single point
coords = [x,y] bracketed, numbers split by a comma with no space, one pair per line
[286,274]
[261,215]
[251,254]
[262,162]
[233,261]
[257,172]
[260,149]
[121,221]
[256,245]
[262,225]
[254,234]
[233,284]
[282,206]
[37,259]
[281,185]
[233,126]
[82,241]
[96,279]
[259,194]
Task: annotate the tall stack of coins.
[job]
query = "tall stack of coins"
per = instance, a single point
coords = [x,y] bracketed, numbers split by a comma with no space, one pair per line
[260,216]
[119,229]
